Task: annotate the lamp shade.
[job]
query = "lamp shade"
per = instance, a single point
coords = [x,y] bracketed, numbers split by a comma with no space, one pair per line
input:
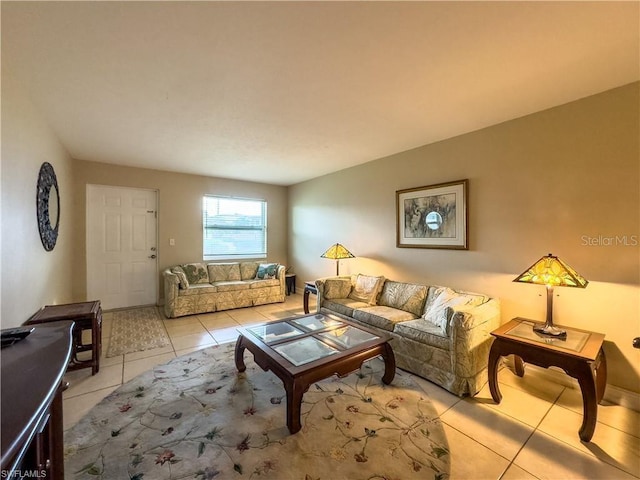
[553,272]
[337,252]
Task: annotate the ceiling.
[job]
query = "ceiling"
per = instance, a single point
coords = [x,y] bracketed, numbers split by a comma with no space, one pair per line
[282,92]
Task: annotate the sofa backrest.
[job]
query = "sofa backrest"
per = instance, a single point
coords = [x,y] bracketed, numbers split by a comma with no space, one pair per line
[409,297]
[233,271]
[224,272]
[248,270]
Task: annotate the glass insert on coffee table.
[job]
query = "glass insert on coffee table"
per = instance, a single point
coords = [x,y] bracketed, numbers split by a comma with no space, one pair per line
[307,349]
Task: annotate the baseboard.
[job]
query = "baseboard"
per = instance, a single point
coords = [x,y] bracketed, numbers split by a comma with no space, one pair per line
[622,397]
[612,394]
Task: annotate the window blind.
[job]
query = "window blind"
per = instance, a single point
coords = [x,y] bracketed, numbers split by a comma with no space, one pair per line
[234,227]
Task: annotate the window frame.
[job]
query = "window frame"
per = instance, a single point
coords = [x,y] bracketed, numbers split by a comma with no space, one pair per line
[208,256]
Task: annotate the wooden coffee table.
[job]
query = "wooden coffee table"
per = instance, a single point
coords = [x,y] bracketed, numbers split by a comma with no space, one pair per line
[306,349]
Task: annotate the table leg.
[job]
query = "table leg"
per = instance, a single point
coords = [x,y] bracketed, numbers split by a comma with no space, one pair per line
[518,365]
[492,370]
[95,347]
[586,376]
[239,354]
[601,375]
[77,343]
[305,301]
[389,364]
[294,403]
[100,335]
[56,439]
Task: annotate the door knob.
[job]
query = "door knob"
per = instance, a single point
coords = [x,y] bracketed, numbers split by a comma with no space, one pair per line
[152,256]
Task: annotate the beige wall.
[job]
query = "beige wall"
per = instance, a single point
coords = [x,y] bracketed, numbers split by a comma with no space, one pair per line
[31,276]
[549,182]
[179,211]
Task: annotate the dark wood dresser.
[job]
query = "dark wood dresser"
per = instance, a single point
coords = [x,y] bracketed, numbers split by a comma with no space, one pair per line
[31,428]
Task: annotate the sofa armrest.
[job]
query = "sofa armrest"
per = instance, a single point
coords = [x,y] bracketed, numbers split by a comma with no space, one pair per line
[171,283]
[471,328]
[468,317]
[281,276]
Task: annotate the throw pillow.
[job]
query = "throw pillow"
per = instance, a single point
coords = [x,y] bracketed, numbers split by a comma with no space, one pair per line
[366,289]
[409,297]
[196,273]
[337,288]
[440,310]
[248,270]
[267,271]
[183,283]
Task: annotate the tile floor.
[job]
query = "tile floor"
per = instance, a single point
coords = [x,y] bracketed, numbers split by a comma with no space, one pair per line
[532,434]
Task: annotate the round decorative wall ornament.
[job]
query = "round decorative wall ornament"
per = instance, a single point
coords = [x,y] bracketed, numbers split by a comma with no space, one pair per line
[48,206]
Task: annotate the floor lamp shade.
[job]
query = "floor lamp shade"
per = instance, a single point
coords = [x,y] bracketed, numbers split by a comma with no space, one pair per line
[337,252]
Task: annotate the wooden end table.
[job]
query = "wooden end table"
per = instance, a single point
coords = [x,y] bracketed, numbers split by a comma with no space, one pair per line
[290,283]
[86,316]
[580,355]
[309,287]
[303,350]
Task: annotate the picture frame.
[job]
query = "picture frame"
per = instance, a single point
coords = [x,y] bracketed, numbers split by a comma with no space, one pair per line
[434,216]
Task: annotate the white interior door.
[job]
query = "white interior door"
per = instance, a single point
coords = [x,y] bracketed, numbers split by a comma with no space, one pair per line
[121,246]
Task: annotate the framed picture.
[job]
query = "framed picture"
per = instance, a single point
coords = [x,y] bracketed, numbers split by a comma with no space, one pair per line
[433,217]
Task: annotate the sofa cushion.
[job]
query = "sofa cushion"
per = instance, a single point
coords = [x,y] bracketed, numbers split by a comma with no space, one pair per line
[196,273]
[366,289]
[248,270]
[232,286]
[440,302]
[197,289]
[271,282]
[266,271]
[343,306]
[382,317]
[183,283]
[337,288]
[223,272]
[409,297]
[423,331]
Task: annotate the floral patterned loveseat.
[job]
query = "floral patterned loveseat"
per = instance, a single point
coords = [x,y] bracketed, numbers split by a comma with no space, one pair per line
[200,288]
[438,333]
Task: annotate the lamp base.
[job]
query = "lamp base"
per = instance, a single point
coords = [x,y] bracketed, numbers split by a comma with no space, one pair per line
[550,330]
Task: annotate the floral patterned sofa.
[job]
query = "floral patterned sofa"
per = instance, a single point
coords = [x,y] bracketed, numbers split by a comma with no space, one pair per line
[200,288]
[438,333]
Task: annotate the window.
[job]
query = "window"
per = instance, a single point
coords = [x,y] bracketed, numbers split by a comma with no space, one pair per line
[234,228]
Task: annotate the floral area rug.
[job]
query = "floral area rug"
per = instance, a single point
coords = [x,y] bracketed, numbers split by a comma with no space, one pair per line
[135,330]
[197,417]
